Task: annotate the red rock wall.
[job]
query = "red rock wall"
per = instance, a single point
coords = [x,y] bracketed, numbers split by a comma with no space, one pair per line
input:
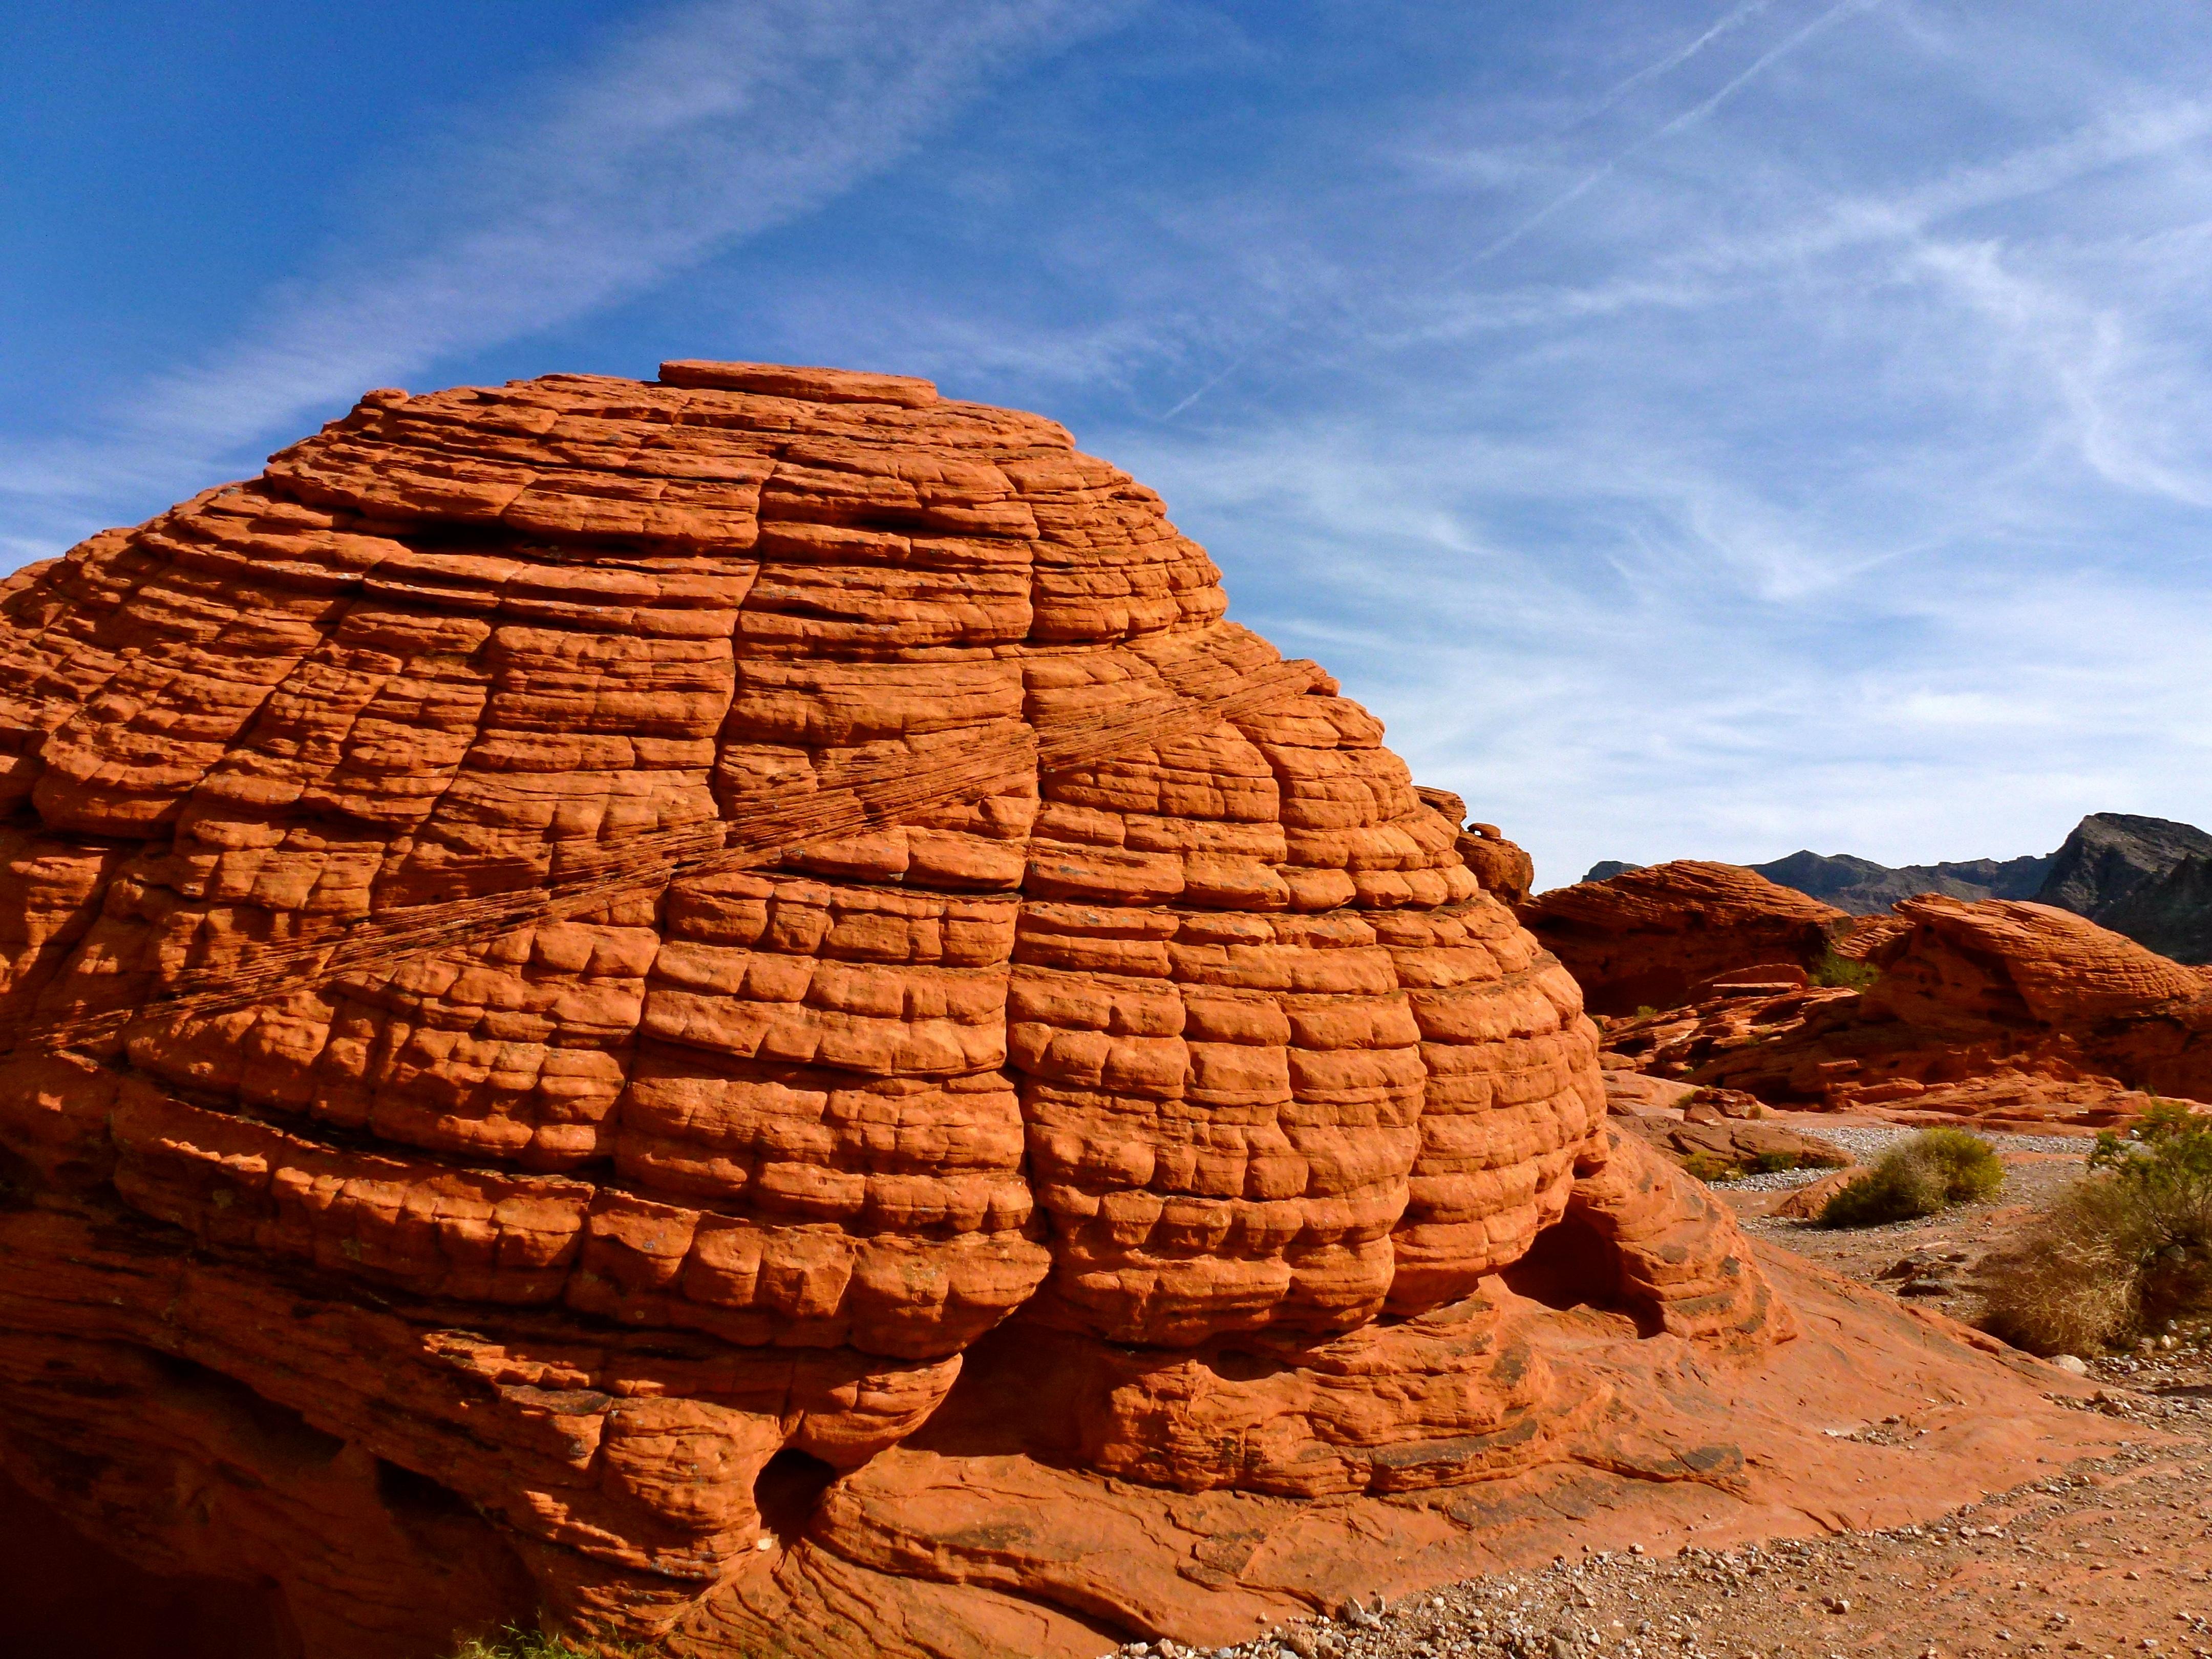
[1649,937]
[1999,1008]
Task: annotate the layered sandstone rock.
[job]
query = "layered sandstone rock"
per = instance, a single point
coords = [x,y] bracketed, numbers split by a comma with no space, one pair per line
[576,951]
[1505,870]
[1651,938]
[1997,1009]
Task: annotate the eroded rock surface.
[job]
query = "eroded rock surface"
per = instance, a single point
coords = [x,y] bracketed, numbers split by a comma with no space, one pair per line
[1998,1009]
[619,972]
[1652,938]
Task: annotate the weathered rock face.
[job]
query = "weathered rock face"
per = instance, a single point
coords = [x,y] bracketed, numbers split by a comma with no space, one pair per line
[573,950]
[1653,937]
[1994,1009]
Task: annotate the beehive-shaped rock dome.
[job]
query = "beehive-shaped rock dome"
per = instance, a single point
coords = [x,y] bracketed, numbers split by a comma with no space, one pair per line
[669,910]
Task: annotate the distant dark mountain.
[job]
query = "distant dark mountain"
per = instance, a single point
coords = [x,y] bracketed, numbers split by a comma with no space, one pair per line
[2111,855]
[2148,879]
[1606,869]
[1865,889]
[2171,916]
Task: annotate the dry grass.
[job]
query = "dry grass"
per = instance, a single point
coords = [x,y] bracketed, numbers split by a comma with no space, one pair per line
[2119,1253]
[515,1642]
[1843,973]
[1916,1177]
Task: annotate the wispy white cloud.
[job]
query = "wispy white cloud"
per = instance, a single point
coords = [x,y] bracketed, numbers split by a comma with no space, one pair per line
[1674,124]
[1832,468]
[1728,23]
[1813,474]
[712,121]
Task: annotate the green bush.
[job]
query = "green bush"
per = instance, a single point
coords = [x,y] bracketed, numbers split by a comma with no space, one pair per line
[1918,1177]
[1843,973]
[515,1642]
[1708,1166]
[2122,1250]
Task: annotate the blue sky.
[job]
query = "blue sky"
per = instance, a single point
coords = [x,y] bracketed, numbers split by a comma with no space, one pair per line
[1696,428]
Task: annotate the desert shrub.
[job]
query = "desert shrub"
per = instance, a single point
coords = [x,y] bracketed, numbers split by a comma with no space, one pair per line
[1916,1177]
[515,1642]
[1775,1163]
[1843,973]
[2123,1249]
[1708,1166]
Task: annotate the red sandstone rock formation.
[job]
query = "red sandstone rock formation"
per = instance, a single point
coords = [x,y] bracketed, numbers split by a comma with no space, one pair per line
[1505,871]
[732,1007]
[1998,1009]
[1650,937]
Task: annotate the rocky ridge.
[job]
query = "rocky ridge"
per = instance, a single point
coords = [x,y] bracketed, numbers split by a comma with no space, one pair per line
[1994,1011]
[2148,879]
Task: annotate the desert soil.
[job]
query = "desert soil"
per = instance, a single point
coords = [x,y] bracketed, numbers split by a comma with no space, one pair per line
[2106,1557]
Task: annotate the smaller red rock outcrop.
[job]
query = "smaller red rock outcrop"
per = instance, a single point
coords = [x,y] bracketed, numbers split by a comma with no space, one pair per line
[1650,937]
[1999,1009]
[1506,872]
[1717,1146]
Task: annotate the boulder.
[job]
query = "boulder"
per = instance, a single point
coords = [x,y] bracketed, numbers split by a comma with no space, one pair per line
[584,942]
[1505,871]
[1650,937]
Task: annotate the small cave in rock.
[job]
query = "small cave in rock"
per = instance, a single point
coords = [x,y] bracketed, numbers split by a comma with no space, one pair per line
[63,1593]
[1573,1266]
[1236,1366]
[276,1432]
[789,1485]
[405,1493]
[487,1583]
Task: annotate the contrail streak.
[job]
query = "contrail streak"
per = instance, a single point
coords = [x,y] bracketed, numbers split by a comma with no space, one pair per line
[1688,118]
[1605,169]
[1673,60]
